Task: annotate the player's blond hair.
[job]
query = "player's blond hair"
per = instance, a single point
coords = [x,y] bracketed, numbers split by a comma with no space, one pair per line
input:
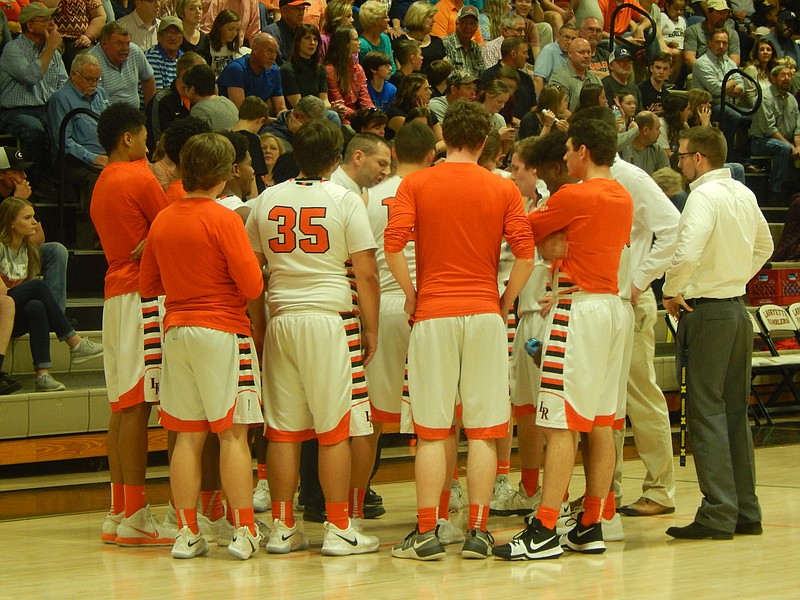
[206,161]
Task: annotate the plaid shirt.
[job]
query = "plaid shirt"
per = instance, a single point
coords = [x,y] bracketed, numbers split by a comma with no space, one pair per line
[469,59]
[21,81]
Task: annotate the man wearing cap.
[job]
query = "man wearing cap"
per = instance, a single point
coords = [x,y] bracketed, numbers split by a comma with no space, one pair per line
[621,65]
[460,86]
[13,182]
[255,74]
[247,10]
[84,154]
[783,37]
[31,70]
[123,67]
[514,53]
[576,73]
[444,21]
[695,42]
[292,12]
[461,49]
[142,24]
[163,57]
[553,56]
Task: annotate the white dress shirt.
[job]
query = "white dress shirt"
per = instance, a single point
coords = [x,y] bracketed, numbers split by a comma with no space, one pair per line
[723,240]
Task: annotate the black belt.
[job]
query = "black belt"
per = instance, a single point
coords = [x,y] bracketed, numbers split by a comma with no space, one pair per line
[698,301]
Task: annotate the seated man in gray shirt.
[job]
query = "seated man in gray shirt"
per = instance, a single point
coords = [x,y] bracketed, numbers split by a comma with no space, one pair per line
[219,112]
[460,86]
[643,151]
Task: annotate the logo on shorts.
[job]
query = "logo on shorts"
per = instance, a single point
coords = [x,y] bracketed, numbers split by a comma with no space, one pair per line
[543,410]
[154,384]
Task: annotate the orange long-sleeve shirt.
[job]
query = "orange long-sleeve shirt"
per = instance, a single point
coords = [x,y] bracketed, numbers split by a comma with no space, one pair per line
[198,253]
[597,216]
[459,214]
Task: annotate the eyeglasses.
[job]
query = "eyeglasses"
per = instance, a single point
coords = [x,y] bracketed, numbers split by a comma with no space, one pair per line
[93,80]
[682,154]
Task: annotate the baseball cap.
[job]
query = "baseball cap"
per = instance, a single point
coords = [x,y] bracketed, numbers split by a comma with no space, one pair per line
[787,15]
[33,10]
[294,3]
[170,21]
[618,53]
[460,77]
[719,5]
[11,158]
[467,11]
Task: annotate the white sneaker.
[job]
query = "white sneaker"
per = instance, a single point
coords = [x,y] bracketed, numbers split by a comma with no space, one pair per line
[502,488]
[448,533]
[566,520]
[456,496]
[284,539]
[261,498]
[244,544]
[516,503]
[46,383]
[211,529]
[224,532]
[108,532]
[188,544]
[85,350]
[612,529]
[171,518]
[141,529]
[343,542]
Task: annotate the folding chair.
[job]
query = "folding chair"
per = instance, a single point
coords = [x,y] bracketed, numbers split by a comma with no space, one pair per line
[776,323]
[794,313]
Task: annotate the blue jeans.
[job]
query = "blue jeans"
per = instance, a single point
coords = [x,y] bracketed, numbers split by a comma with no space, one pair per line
[54,271]
[38,314]
[29,125]
[781,153]
[737,171]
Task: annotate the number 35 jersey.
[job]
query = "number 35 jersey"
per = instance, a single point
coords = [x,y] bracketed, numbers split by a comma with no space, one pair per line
[307,229]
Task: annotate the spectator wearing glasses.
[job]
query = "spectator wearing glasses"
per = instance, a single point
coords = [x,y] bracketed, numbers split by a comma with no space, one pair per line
[85,156]
[511,24]
[462,50]
[163,57]
[592,31]
[31,70]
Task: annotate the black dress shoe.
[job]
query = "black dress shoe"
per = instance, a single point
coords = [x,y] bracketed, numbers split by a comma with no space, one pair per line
[372,498]
[372,511]
[696,531]
[752,528]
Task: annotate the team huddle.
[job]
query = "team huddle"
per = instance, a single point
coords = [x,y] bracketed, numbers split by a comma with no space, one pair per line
[324,316]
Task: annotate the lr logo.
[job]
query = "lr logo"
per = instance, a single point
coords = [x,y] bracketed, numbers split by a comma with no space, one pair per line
[543,410]
[154,385]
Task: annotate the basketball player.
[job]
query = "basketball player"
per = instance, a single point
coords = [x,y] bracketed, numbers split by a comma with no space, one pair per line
[458,343]
[126,199]
[210,376]
[305,230]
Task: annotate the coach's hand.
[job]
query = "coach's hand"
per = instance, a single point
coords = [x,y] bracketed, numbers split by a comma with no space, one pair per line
[675,306]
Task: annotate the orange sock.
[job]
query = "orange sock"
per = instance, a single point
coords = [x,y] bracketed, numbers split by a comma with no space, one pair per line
[444,502]
[503,467]
[610,507]
[592,509]
[262,472]
[211,503]
[566,496]
[478,516]
[426,519]
[283,511]
[530,481]
[548,516]
[187,517]
[117,498]
[356,508]
[134,499]
[337,514]
[455,472]
[244,517]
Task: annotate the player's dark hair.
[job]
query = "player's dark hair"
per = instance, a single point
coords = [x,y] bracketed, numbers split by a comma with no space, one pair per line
[318,147]
[413,143]
[179,132]
[115,121]
[466,125]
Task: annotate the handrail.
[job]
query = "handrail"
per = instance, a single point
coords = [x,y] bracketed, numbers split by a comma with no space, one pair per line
[62,164]
[649,35]
[723,99]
